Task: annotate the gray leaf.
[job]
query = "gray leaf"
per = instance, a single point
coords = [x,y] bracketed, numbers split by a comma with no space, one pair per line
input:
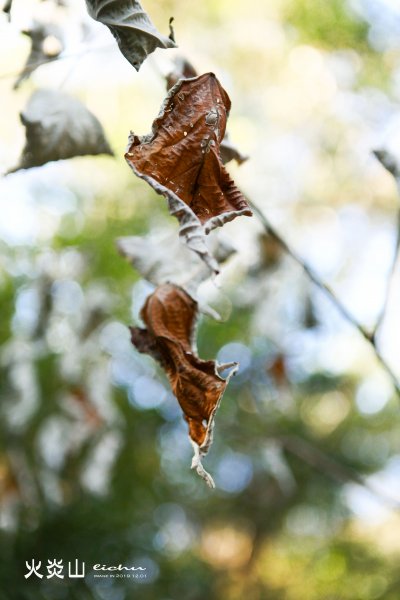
[388,161]
[162,258]
[59,126]
[47,44]
[7,7]
[130,25]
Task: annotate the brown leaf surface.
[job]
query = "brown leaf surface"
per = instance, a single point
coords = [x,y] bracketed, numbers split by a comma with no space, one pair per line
[181,159]
[170,316]
[185,70]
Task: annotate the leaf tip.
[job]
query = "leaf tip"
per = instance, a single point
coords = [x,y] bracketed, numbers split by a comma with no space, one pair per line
[198,466]
[388,161]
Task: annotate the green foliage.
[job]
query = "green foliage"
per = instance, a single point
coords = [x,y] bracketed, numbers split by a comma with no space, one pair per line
[330,25]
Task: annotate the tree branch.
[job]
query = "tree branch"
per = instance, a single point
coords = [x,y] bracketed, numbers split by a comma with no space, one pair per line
[329,293]
[317,459]
[389,162]
[62,56]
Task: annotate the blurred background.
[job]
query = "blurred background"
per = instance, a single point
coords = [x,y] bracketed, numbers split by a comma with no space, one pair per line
[94,456]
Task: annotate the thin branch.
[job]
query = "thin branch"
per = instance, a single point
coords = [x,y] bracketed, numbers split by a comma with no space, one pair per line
[329,466]
[329,293]
[389,162]
[56,58]
[389,282]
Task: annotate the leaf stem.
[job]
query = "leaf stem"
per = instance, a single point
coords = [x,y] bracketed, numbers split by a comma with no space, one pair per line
[389,162]
[62,56]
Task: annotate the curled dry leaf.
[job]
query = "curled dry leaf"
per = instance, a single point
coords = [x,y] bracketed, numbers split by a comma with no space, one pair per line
[181,160]
[59,126]
[185,70]
[170,316]
[130,25]
[46,44]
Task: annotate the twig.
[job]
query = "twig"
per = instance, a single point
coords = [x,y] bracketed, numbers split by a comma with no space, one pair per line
[317,459]
[59,57]
[367,335]
[389,162]
[389,281]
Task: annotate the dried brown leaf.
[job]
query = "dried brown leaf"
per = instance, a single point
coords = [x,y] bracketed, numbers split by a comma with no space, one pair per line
[170,316]
[181,160]
[185,70]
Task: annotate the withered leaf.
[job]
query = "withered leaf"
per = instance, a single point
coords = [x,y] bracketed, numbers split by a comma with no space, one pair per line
[46,44]
[181,160]
[130,25]
[170,316]
[185,70]
[59,126]
[230,152]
